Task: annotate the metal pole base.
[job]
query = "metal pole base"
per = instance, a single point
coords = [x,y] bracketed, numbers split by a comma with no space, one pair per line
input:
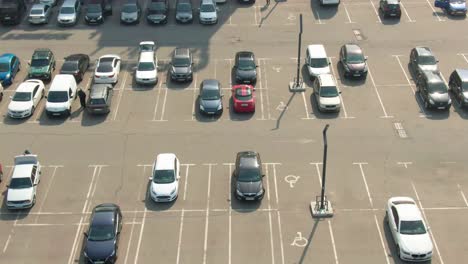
[294,86]
[321,213]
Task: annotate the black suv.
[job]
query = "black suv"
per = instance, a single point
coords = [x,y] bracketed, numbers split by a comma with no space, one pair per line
[433,90]
[390,8]
[353,61]
[76,65]
[11,11]
[422,59]
[157,11]
[245,68]
[102,237]
[96,10]
[248,176]
[458,85]
[181,65]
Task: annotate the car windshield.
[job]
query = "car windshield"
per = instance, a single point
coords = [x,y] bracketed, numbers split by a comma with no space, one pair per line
[163,176]
[328,91]
[244,94]
[318,62]
[131,8]
[101,232]
[210,94]
[146,66]
[20,183]
[184,7]
[427,60]
[393,6]
[249,175]
[465,87]
[97,101]
[105,67]
[456,1]
[437,88]
[22,97]
[94,8]
[36,11]
[67,10]
[355,58]
[412,227]
[181,62]
[246,65]
[4,67]
[57,96]
[207,8]
[70,66]
[39,62]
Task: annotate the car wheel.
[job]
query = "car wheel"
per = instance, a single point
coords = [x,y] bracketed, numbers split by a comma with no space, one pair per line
[32,110]
[42,94]
[34,200]
[386,217]
[398,251]
[1,96]
[426,104]
[1,176]
[69,111]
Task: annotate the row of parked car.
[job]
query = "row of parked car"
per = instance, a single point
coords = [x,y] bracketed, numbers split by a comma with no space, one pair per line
[96,11]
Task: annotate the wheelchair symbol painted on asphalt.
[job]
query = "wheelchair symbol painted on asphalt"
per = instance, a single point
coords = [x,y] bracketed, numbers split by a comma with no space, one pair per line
[299,241]
[292,179]
[291,16]
[277,69]
[281,107]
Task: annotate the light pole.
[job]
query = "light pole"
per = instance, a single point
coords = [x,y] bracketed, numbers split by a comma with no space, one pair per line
[297,85]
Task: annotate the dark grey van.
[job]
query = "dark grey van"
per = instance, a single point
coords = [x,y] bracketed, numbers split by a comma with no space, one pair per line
[11,11]
[100,98]
[458,85]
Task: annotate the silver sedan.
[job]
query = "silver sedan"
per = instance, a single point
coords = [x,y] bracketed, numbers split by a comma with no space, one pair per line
[40,14]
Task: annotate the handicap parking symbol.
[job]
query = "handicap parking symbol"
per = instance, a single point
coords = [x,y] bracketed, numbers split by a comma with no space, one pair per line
[299,240]
[292,179]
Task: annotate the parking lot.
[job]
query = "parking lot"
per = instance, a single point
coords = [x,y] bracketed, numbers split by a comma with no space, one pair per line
[382,143]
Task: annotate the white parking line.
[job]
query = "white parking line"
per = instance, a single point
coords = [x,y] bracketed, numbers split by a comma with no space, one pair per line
[163,109]
[194,97]
[122,89]
[205,245]
[381,239]
[47,192]
[427,223]
[462,194]
[406,12]
[230,211]
[306,108]
[269,217]
[376,12]
[337,87]
[365,181]
[142,227]
[130,239]
[266,87]
[377,92]
[181,228]
[155,111]
[186,178]
[6,244]
[434,12]
[463,56]
[259,79]
[347,15]
[278,214]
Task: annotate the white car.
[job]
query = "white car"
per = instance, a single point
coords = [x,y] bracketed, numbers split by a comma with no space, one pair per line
[165,178]
[23,184]
[208,12]
[107,69]
[26,98]
[408,229]
[147,69]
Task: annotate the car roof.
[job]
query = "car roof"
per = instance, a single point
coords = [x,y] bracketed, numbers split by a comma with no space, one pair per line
[424,51]
[109,57]
[59,80]
[353,48]
[433,77]
[317,51]
[408,212]
[184,1]
[326,80]
[22,171]
[105,217]
[181,52]
[248,159]
[463,73]
[6,57]
[147,56]
[165,161]
[27,86]
[210,84]
[99,90]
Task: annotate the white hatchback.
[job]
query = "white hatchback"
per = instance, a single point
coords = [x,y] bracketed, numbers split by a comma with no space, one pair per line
[26,98]
[165,178]
[408,229]
[146,71]
[208,12]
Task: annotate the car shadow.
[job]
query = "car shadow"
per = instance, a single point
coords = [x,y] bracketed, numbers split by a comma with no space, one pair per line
[308,81]
[241,206]
[457,107]
[15,121]
[316,111]
[88,119]
[81,258]
[151,205]
[45,120]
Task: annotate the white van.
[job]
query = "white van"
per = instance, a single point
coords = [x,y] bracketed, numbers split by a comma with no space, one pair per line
[61,94]
[316,60]
[147,69]
[326,93]
[329,2]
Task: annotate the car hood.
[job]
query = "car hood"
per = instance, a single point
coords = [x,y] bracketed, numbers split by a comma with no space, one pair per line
[249,187]
[184,14]
[20,194]
[129,15]
[163,189]
[249,74]
[356,66]
[318,71]
[57,106]
[458,6]
[433,68]
[440,97]
[38,69]
[66,16]
[19,106]
[93,15]
[416,244]
[211,104]
[181,69]
[208,14]
[99,249]
[145,74]
[330,100]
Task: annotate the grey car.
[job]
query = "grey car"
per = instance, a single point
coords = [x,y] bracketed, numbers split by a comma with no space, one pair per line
[433,91]
[40,14]
[248,176]
[100,98]
[458,85]
[422,59]
[353,61]
[181,65]
[210,98]
[245,68]
[184,11]
[131,12]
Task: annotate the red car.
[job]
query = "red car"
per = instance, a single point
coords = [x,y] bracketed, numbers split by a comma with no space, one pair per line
[243,98]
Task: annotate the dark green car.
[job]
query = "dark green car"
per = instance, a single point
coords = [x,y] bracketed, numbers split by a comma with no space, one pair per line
[42,64]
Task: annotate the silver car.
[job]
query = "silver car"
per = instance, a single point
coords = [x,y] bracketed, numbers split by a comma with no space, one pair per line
[69,12]
[40,14]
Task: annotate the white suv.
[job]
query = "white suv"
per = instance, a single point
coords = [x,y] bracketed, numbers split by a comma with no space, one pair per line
[147,68]
[208,12]
[22,188]
[165,178]
[326,93]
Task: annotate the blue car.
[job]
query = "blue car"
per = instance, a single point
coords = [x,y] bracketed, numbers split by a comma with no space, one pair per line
[9,67]
[452,7]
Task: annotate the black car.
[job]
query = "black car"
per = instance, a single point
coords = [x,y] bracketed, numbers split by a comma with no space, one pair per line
[248,176]
[11,11]
[184,11]
[102,237]
[422,59]
[458,85]
[210,97]
[433,90]
[76,65]
[157,12]
[97,10]
[181,69]
[245,68]
[353,61]
[390,8]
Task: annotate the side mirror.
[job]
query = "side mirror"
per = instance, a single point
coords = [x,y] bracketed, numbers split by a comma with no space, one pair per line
[178,177]
[222,95]
[11,97]
[437,61]
[134,68]
[29,63]
[45,97]
[263,175]
[339,92]
[256,66]
[85,234]
[8,186]
[150,178]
